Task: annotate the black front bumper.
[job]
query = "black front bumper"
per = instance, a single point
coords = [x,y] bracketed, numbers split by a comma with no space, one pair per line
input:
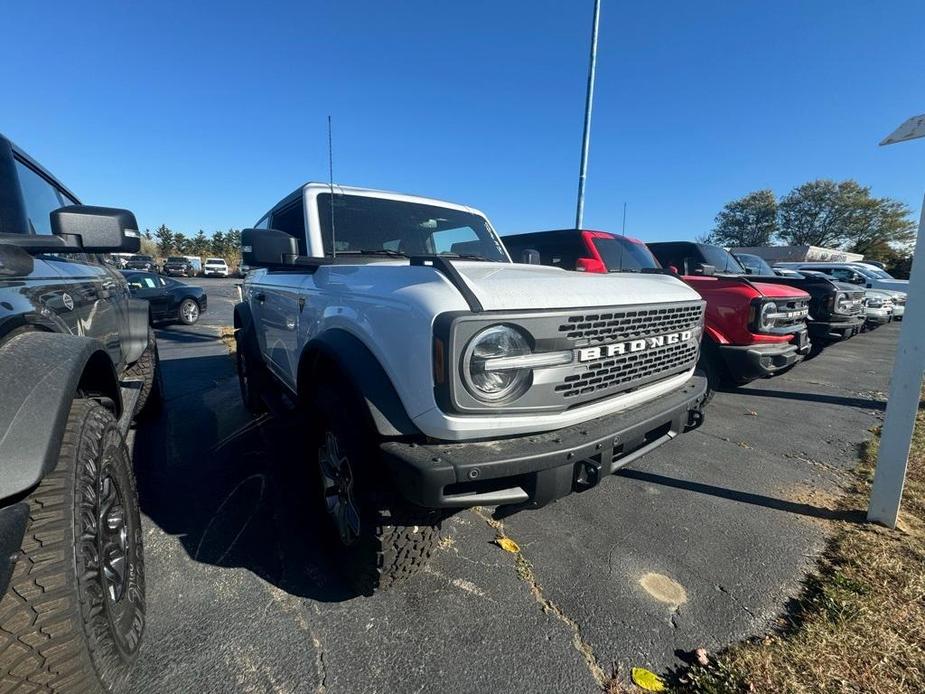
[836,330]
[531,470]
[748,362]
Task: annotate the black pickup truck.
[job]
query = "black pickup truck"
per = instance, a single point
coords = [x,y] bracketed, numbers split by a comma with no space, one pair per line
[836,309]
[78,361]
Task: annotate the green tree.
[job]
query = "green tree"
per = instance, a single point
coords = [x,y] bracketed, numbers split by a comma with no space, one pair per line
[199,244]
[844,215]
[166,241]
[884,231]
[749,221]
[217,244]
[183,244]
[822,212]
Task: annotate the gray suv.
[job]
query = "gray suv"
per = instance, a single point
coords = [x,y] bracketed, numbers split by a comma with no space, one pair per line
[78,362]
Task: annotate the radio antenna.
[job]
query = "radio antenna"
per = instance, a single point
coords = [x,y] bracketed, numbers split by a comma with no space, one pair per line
[331,180]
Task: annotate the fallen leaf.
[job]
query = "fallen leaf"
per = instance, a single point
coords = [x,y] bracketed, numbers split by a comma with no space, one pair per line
[702,657]
[508,545]
[648,680]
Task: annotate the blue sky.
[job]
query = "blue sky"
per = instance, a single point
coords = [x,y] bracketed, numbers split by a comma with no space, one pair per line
[204,114]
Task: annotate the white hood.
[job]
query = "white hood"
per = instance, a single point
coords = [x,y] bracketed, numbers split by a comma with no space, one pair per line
[513,286]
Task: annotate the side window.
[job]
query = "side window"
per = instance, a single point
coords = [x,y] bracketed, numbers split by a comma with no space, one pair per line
[291,219]
[263,223]
[143,281]
[40,196]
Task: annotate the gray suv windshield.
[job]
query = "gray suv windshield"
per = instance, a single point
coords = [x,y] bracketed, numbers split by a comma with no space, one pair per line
[365,224]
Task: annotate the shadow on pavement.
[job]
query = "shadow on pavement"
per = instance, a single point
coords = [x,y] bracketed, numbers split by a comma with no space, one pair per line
[864,403]
[230,488]
[167,335]
[744,497]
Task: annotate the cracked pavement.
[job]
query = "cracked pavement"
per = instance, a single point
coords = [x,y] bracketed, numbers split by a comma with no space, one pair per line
[698,544]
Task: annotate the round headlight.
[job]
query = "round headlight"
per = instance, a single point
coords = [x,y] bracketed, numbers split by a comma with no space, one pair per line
[765,322]
[490,384]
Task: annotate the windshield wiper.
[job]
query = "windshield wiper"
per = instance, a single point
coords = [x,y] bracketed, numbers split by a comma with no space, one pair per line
[375,251]
[467,256]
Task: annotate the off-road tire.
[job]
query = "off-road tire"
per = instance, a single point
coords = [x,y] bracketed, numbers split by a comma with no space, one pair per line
[252,374]
[58,630]
[396,538]
[148,369]
[181,314]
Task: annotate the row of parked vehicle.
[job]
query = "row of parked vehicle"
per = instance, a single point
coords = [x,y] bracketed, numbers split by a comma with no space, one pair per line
[424,372]
[174,265]
[759,320]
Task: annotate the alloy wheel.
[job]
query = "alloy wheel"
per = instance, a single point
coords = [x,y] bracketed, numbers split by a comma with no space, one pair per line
[338,489]
[113,540]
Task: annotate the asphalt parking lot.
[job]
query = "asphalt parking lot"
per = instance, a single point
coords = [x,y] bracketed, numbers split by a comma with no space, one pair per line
[698,544]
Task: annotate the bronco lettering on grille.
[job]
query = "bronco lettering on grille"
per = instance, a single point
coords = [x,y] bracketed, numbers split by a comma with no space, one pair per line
[617,348]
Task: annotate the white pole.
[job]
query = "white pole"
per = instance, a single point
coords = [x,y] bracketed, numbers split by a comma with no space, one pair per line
[906,381]
[586,136]
[905,392]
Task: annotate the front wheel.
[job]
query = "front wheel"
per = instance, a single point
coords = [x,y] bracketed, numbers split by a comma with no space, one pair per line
[189,311]
[73,616]
[379,539]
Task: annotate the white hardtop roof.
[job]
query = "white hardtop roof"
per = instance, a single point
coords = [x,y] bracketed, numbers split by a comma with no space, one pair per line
[316,188]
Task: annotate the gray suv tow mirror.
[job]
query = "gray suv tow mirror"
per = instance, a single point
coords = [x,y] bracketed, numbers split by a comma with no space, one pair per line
[98,229]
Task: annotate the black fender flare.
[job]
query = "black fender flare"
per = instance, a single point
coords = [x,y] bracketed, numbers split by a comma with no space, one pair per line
[136,341]
[243,318]
[364,373]
[41,373]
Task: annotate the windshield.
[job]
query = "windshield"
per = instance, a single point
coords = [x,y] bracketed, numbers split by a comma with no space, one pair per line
[214,261]
[141,258]
[722,260]
[621,254]
[875,271]
[368,224]
[176,259]
[756,264]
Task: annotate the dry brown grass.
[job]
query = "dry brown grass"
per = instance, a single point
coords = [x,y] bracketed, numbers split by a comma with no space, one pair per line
[859,625]
[227,337]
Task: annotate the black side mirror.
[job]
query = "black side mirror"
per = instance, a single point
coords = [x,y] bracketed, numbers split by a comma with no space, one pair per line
[267,248]
[98,229]
[705,270]
[749,271]
[530,256]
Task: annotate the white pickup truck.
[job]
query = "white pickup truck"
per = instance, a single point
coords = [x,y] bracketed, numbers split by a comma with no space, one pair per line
[431,373]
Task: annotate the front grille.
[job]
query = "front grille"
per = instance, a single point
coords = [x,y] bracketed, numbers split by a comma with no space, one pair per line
[629,324]
[791,312]
[610,375]
[629,370]
[855,304]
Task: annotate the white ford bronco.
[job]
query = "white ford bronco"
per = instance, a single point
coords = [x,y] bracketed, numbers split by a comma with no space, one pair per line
[431,373]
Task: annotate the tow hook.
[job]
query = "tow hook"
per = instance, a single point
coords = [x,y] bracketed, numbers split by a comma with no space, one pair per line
[587,474]
[694,419]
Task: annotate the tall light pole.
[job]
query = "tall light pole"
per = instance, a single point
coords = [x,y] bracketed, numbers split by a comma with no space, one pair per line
[906,382]
[589,100]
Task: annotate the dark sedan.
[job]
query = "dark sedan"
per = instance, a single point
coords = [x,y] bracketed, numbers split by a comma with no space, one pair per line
[170,300]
